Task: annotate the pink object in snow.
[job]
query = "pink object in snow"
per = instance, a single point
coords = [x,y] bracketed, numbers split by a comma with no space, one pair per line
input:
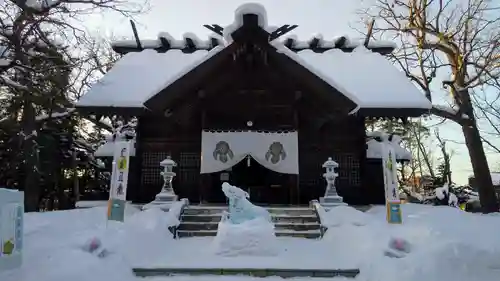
[400,245]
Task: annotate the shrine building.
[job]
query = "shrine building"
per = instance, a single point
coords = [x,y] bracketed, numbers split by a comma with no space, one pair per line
[254,107]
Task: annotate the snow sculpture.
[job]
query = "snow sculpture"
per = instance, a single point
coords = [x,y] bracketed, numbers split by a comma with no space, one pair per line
[240,208]
[246,230]
[331,197]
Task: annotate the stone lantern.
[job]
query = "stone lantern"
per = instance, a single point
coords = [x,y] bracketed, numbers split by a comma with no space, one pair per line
[167,193]
[331,197]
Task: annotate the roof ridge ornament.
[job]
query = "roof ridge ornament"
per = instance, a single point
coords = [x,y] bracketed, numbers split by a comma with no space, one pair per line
[249,16]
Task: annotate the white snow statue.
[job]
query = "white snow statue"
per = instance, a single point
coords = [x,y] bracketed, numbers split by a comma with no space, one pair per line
[240,209]
[247,230]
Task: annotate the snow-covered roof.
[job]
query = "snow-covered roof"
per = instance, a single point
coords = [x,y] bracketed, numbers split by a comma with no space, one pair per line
[107,149]
[367,78]
[138,76]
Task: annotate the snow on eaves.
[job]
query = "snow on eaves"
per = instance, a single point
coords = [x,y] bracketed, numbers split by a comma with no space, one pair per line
[365,77]
[136,77]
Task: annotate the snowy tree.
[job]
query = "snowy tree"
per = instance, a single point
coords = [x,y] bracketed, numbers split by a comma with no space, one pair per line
[448,37]
[37,63]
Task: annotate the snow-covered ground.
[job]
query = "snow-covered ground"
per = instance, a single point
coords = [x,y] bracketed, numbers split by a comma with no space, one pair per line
[447,244]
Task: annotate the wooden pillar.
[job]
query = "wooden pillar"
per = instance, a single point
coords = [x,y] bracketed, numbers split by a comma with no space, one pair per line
[295,182]
[205,179]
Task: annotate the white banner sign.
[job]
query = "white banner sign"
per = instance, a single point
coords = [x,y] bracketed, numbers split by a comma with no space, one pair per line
[390,172]
[278,152]
[119,176]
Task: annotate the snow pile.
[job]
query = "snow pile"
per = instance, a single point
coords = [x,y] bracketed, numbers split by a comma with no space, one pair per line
[457,261]
[54,241]
[445,196]
[375,150]
[251,238]
[343,215]
[446,244]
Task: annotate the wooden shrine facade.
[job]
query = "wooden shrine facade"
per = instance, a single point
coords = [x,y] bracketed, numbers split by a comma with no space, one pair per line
[250,85]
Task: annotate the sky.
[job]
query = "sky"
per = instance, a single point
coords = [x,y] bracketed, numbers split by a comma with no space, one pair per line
[331,18]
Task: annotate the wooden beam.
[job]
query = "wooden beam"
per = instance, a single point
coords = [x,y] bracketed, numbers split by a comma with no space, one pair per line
[281,31]
[217,29]
[369,33]
[136,35]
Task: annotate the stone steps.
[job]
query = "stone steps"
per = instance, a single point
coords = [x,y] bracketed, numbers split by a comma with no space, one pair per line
[202,221]
[195,225]
[276,219]
[309,234]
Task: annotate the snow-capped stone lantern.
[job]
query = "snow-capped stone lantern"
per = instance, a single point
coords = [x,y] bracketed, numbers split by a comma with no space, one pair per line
[167,192]
[167,195]
[331,197]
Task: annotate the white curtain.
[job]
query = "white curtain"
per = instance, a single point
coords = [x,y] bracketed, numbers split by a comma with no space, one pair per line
[275,151]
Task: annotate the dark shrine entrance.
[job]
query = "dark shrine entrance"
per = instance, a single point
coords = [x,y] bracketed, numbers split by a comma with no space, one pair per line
[265,186]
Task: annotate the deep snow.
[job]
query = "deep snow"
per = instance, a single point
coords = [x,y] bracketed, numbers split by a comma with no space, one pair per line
[447,244]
